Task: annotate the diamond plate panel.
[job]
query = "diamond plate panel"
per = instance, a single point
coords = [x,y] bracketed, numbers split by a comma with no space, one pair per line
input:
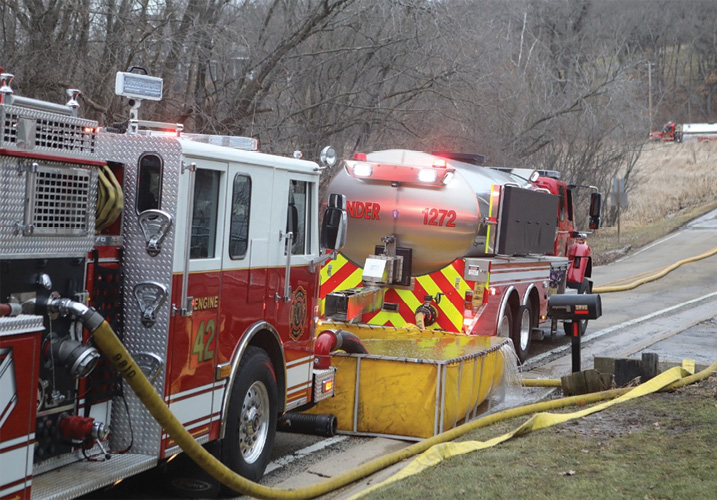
[139,267]
[25,129]
[13,244]
[84,477]
[20,324]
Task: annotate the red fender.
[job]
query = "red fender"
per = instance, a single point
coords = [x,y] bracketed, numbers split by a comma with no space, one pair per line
[579,258]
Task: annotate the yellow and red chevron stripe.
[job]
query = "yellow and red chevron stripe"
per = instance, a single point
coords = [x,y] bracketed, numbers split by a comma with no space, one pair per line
[342,274]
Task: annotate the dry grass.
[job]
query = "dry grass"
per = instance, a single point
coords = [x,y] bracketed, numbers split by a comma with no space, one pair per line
[671,185]
[660,446]
[670,178]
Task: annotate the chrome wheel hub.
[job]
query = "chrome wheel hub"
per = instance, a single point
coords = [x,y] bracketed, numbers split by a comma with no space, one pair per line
[254,425]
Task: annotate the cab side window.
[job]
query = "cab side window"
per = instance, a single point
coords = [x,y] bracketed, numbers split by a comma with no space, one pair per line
[561,209]
[298,216]
[204,214]
[239,227]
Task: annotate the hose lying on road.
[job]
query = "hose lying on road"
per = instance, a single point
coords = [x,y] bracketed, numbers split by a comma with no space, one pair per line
[653,277]
[541,382]
[108,342]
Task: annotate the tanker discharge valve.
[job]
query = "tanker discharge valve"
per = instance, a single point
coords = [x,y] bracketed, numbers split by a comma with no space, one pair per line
[426,314]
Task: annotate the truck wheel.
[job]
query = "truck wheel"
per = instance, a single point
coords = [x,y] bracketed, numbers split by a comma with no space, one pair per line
[522,332]
[251,420]
[505,325]
[583,287]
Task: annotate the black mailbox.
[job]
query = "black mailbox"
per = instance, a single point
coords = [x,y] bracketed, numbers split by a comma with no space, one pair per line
[574,307]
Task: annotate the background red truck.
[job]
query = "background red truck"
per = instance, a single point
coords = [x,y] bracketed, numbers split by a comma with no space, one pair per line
[685,132]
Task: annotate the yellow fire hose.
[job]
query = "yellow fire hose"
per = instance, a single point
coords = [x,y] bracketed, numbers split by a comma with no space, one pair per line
[653,277]
[541,382]
[108,342]
[538,421]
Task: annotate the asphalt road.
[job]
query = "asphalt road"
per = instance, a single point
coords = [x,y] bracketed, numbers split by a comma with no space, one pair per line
[675,317]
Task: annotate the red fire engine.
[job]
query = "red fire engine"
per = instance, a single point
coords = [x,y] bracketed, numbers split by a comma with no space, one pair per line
[441,242]
[203,255]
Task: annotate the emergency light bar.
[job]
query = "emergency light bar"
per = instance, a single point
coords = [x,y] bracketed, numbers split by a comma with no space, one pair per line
[438,175]
[137,86]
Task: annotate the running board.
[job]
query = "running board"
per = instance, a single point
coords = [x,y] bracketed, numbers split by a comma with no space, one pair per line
[80,478]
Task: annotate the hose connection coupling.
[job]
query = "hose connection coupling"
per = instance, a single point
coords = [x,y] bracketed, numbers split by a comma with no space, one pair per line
[84,430]
[90,318]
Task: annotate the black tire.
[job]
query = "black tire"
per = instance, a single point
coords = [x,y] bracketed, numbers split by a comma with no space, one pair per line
[522,330]
[583,287]
[251,420]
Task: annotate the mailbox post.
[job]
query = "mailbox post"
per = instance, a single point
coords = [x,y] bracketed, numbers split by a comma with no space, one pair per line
[575,308]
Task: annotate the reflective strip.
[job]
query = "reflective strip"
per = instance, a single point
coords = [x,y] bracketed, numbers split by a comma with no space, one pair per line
[450,309]
[352,281]
[344,275]
[490,217]
[15,466]
[388,318]
[16,441]
[13,489]
[199,427]
[298,373]
[295,392]
[181,395]
[524,275]
[198,407]
[298,361]
[446,307]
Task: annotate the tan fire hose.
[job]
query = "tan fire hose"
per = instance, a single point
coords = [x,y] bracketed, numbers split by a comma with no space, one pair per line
[108,342]
[653,277]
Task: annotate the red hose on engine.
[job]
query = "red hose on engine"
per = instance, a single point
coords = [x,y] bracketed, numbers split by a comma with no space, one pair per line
[333,340]
[10,309]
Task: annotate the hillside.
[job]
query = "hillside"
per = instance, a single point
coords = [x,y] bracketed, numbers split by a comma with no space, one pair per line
[670,178]
[670,185]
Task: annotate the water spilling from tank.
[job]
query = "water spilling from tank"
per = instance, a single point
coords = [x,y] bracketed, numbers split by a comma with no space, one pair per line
[511,390]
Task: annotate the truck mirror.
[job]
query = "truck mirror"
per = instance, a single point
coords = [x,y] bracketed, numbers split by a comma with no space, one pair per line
[328,157]
[333,229]
[595,209]
[337,201]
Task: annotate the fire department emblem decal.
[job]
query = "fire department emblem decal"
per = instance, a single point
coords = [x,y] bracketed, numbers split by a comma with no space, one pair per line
[297,314]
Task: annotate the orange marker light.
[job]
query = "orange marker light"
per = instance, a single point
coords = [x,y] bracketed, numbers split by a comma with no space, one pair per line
[328,386]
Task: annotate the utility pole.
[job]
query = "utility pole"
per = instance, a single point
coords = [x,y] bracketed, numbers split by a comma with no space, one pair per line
[649,91]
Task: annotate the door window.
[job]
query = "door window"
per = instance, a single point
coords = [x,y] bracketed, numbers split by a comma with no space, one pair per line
[298,217]
[204,214]
[239,230]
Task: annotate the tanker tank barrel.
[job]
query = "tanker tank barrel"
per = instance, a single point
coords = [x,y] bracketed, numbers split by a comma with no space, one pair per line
[433,210]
